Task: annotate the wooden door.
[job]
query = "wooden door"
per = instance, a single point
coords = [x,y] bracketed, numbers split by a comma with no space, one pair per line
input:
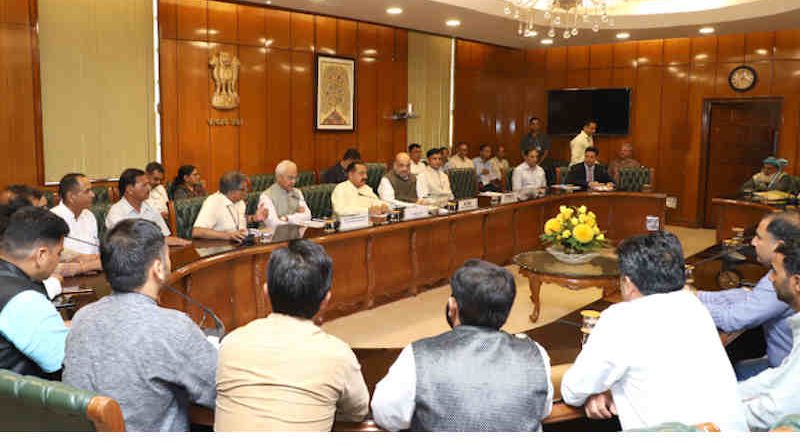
[740,135]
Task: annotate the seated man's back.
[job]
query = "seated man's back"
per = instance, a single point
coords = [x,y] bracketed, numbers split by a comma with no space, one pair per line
[283,373]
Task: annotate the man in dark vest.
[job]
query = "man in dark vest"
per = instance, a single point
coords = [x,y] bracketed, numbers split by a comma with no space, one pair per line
[32,333]
[474,377]
[399,185]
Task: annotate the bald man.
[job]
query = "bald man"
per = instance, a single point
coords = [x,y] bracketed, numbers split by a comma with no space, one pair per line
[399,185]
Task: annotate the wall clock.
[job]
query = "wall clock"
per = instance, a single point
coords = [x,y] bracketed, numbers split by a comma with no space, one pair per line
[742,78]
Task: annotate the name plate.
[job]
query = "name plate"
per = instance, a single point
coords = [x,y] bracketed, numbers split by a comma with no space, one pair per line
[508,198]
[415,212]
[467,204]
[352,222]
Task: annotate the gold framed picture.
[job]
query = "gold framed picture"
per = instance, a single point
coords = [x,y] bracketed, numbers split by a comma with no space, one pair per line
[335,94]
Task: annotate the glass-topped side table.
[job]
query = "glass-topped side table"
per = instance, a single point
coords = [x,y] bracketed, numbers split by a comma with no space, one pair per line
[540,267]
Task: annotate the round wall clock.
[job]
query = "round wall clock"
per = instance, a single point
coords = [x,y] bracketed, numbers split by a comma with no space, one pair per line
[742,78]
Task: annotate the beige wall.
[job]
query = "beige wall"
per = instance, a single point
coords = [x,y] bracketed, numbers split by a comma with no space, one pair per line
[97,86]
[429,60]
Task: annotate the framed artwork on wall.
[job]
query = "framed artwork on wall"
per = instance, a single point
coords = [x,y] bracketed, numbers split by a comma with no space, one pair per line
[335,94]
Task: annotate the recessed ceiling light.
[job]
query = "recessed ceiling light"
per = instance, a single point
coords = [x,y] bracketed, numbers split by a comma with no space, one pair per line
[453,23]
[547,41]
[707,30]
[762,52]
[394,10]
[623,35]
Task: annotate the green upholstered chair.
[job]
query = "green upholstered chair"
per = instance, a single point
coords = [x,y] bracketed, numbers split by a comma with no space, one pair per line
[318,198]
[463,182]
[100,211]
[561,174]
[182,214]
[32,404]
[304,178]
[632,179]
[101,194]
[509,179]
[789,424]
[252,202]
[375,171]
[261,182]
[52,198]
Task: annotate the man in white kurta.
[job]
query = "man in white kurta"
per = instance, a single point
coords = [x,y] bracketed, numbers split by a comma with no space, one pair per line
[433,183]
[579,144]
[354,196]
[158,194]
[658,352]
[528,177]
[417,164]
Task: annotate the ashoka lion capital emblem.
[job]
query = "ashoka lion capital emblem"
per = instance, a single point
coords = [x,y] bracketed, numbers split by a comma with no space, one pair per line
[225,72]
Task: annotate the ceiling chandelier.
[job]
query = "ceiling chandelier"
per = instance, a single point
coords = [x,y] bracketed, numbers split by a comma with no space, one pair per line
[569,15]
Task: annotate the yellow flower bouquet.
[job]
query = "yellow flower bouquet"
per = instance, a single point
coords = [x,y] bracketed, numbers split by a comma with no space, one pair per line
[574,230]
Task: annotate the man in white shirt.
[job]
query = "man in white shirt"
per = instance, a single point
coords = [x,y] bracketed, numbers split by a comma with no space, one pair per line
[81,245]
[500,160]
[528,178]
[399,186]
[775,392]
[158,194]
[284,203]
[488,174]
[475,377]
[134,189]
[658,352]
[579,144]
[433,183]
[417,164]
[461,158]
[223,213]
[354,196]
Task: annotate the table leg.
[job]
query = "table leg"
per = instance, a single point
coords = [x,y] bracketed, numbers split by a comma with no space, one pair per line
[536,287]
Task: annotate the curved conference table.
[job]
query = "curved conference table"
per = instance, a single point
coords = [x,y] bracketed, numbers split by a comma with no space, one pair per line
[380,264]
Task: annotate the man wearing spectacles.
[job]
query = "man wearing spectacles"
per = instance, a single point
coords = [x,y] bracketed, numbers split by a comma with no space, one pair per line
[223,213]
[284,202]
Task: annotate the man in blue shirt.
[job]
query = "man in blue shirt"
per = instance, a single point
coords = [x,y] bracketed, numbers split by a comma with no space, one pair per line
[32,333]
[742,308]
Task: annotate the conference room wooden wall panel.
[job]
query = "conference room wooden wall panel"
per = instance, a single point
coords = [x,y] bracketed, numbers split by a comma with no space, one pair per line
[646,126]
[624,77]
[367,39]
[193,107]
[759,46]
[624,54]
[15,11]
[252,25]
[730,48]
[168,80]
[18,119]
[327,149]
[577,79]
[192,19]
[556,59]
[279,106]
[253,110]
[499,248]
[704,49]
[385,43]
[350,282]
[302,31]
[224,140]
[535,61]
[649,52]
[577,57]
[302,106]
[168,19]
[394,276]
[384,109]
[601,78]
[325,34]
[677,51]
[346,38]
[787,44]
[601,56]
[278,28]
[673,140]
[223,23]
[786,84]
[701,86]
[400,90]
[432,252]
[367,108]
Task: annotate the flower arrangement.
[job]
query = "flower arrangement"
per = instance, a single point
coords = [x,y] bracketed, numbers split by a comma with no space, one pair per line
[574,230]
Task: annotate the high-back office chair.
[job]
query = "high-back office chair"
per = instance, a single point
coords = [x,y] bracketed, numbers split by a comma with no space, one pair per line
[100,211]
[182,215]
[318,198]
[463,182]
[32,404]
[306,178]
[375,171]
[632,179]
[261,182]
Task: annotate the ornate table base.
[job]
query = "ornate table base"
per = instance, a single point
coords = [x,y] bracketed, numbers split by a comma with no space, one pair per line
[609,285]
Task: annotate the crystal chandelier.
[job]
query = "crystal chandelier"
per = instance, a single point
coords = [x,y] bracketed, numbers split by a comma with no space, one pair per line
[569,15]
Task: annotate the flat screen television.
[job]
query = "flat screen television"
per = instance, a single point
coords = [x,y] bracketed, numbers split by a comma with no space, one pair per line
[567,110]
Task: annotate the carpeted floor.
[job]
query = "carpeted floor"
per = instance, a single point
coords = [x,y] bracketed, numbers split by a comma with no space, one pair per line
[402,322]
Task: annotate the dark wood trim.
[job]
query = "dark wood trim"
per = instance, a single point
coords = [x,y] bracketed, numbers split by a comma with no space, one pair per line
[38,129]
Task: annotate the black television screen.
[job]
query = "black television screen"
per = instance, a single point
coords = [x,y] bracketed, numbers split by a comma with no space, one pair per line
[567,110]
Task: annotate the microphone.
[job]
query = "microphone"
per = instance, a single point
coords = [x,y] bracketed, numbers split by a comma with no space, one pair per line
[88,243]
[219,327]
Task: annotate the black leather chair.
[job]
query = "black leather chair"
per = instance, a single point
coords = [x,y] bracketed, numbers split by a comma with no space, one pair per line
[32,404]
[463,182]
